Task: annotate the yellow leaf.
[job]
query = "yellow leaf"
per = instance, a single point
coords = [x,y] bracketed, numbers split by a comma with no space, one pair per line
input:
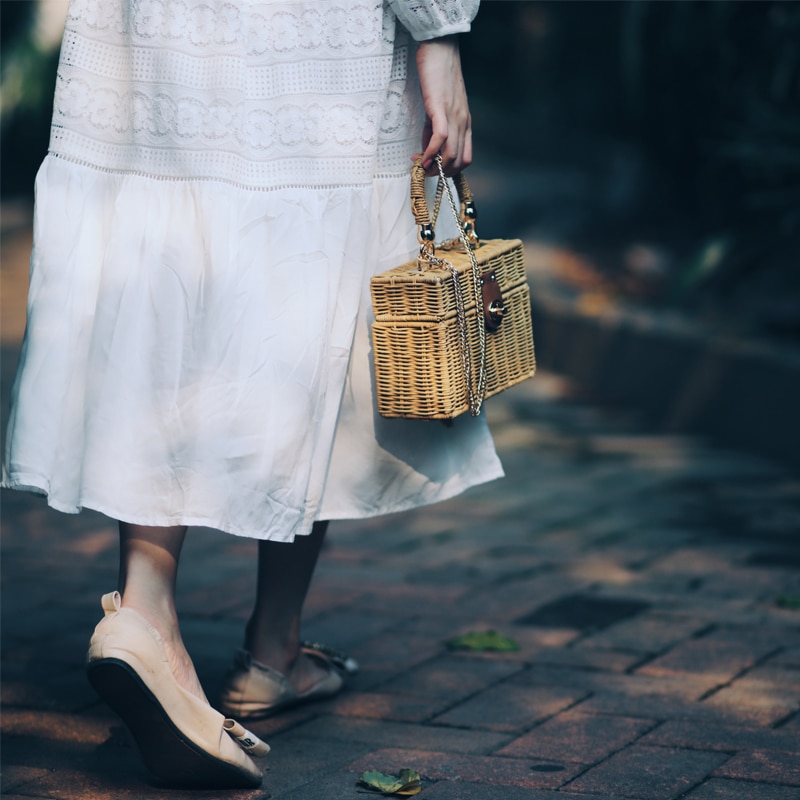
[406,783]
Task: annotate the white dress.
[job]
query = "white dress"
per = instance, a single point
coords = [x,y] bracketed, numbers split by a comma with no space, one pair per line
[223,179]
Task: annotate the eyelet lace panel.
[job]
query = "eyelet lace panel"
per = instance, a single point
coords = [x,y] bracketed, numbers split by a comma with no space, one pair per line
[260,94]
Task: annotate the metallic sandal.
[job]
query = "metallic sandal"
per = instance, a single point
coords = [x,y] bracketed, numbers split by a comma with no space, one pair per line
[255,691]
[343,662]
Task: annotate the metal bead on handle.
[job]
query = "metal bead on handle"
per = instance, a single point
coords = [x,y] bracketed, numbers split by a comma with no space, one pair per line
[419,206]
[426,233]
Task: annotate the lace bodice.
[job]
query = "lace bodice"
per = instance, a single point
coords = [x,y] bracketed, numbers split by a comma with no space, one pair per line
[262,94]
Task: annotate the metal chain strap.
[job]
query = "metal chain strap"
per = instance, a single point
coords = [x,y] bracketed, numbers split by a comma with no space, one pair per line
[437,201]
[475,394]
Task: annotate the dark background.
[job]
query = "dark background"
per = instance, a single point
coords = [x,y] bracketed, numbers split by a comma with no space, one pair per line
[676,124]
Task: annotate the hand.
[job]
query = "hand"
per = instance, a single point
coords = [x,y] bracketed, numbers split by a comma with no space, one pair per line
[448,125]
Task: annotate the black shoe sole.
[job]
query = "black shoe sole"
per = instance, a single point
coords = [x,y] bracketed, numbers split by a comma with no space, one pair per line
[166,752]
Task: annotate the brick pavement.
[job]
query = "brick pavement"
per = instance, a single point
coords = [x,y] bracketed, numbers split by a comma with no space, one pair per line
[641,575]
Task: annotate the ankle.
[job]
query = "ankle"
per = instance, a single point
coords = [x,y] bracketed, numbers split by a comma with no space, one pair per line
[279,656]
[276,646]
[160,614]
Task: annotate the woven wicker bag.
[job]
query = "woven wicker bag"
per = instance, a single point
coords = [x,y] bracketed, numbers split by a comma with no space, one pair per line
[453,326]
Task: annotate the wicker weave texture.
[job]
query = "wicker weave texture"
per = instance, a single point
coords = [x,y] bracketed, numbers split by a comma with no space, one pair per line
[428,293]
[417,349]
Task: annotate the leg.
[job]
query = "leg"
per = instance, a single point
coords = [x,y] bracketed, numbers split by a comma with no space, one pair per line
[273,632]
[147,577]
[138,664]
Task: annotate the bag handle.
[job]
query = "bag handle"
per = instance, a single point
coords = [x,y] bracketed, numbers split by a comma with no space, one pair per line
[427,255]
[419,206]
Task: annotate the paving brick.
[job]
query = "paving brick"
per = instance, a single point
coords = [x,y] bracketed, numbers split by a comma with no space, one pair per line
[517,598]
[347,627]
[763,696]
[341,784]
[728,738]
[16,796]
[531,640]
[386,733]
[324,601]
[722,789]
[792,723]
[650,773]
[56,756]
[718,661]
[700,561]
[790,657]
[503,709]
[396,650]
[15,778]
[584,611]
[766,766]
[51,725]
[764,585]
[21,662]
[68,691]
[396,706]
[452,677]
[662,706]
[575,736]
[647,633]
[407,599]
[677,688]
[471,769]
[762,633]
[477,570]
[267,728]
[295,761]
[459,790]
[49,621]
[79,785]
[588,658]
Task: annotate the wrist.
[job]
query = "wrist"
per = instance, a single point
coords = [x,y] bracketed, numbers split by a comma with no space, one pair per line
[450,41]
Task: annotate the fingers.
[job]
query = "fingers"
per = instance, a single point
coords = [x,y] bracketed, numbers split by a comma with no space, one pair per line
[448,126]
[453,142]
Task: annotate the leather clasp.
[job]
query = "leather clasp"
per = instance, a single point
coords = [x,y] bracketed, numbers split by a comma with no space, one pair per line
[494,309]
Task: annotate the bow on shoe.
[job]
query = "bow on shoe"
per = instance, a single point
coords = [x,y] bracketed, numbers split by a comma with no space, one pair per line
[247,740]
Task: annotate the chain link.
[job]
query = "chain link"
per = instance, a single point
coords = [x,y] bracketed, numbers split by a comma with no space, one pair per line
[475,394]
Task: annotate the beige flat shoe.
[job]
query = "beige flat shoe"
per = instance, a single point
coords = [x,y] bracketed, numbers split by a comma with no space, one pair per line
[255,691]
[182,740]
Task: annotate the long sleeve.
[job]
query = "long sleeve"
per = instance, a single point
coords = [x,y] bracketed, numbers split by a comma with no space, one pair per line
[430,19]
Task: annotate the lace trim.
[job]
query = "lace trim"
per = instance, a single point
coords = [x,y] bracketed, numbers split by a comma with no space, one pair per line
[282,29]
[246,187]
[162,117]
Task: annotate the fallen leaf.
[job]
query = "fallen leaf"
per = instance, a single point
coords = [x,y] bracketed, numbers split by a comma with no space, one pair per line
[406,783]
[483,642]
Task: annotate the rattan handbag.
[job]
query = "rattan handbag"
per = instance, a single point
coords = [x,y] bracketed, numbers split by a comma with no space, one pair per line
[454,325]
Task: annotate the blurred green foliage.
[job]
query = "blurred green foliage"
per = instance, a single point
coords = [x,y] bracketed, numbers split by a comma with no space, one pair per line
[27,83]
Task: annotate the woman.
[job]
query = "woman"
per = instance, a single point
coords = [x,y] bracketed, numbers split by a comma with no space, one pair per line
[223,179]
